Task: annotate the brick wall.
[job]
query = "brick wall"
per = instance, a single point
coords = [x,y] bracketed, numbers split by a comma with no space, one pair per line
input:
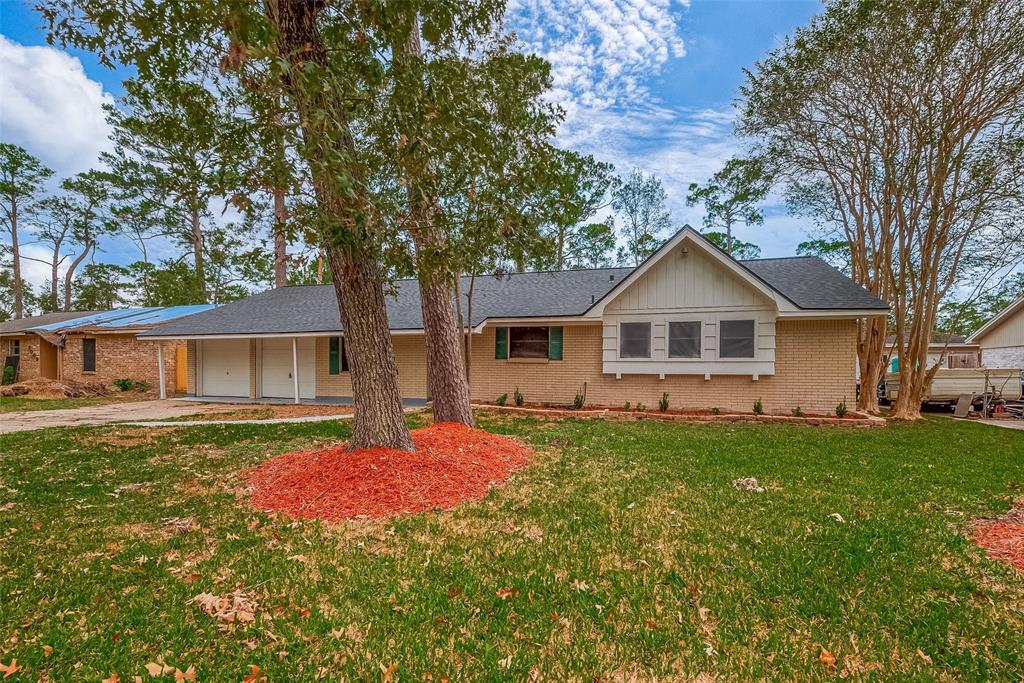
[28,366]
[410,356]
[814,369]
[120,356]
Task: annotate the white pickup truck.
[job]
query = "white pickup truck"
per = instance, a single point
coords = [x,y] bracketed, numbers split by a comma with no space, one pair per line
[949,383]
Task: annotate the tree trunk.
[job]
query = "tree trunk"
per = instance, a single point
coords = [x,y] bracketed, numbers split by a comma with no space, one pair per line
[197,252]
[320,267]
[469,330]
[870,350]
[69,277]
[357,273]
[446,374]
[54,276]
[19,303]
[280,242]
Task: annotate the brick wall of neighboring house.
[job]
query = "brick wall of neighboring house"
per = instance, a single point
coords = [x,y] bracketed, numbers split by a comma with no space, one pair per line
[120,356]
[28,366]
[410,357]
[814,369]
[1005,357]
[191,350]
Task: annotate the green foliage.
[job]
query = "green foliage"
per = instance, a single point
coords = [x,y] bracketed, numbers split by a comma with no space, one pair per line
[127,384]
[517,397]
[501,400]
[841,409]
[967,316]
[663,402]
[740,249]
[626,405]
[640,407]
[8,376]
[732,196]
[758,407]
[716,411]
[835,252]
[578,399]
[640,203]
[797,412]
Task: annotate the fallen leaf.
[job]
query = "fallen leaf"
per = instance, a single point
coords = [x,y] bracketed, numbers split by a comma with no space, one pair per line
[387,674]
[505,593]
[10,669]
[651,624]
[253,675]
[703,613]
[827,658]
[47,650]
[113,678]
[838,517]
[188,674]
[923,656]
[305,612]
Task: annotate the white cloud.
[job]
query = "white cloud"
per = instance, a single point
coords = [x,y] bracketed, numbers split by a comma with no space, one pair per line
[49,106]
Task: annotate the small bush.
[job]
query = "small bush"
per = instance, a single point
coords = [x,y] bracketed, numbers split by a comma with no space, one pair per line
[502,400]
[758,408]
[626,407]
[797,412]
[127,384]
[663,402]
[716,411]
[641,406]
[8,375]
[517,396]
[545,404]
[841,409]
[577,401]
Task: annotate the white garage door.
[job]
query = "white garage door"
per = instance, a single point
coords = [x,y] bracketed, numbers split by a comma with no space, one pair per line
[277,368]
[225,367]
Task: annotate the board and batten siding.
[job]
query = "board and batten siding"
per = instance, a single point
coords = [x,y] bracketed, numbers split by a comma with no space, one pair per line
[682,287]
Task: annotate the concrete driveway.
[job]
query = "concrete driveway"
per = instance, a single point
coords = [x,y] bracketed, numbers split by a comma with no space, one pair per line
[28,420]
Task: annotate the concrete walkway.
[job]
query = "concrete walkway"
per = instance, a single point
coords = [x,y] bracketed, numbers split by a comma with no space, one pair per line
[1005,423]
[268,421]
[28,420]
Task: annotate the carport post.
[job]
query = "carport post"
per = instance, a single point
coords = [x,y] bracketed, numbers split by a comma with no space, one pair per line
[295,366]
[160,367]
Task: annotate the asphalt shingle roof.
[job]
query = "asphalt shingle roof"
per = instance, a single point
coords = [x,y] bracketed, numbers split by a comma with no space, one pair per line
[808,282]
[22,324]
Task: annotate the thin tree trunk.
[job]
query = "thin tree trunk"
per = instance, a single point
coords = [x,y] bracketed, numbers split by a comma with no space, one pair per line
[357,273]
[19,304]
[870,349]
[54,276]
[197,251]
[69,277]
[469,330]
[320,267]
[446,375]
[280,242]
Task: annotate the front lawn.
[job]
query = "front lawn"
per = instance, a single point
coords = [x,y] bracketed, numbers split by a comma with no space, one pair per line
[13,404]
[622,553]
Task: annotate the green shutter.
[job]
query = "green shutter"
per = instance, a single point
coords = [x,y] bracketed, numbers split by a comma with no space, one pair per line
[554,343]
[501,343]
[334,356]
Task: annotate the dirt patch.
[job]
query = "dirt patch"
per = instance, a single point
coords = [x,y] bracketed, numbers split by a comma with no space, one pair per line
[39,387]
[270,412]
[1002,537]
[452,463]
[550,412]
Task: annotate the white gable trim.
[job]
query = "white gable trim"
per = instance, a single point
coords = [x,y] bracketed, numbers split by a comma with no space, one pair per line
[692,236]
[996,321]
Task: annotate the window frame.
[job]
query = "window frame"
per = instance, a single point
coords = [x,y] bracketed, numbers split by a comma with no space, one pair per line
[13,344]
[85,355]
[700,338]
[342,355]
[650,339]
[753,338]
[547,342]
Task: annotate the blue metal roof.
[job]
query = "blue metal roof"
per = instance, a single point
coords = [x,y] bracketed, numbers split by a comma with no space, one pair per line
[126,317]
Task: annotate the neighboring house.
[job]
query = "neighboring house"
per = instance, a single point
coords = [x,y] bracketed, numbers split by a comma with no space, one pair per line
[1001,339]
[690,321]
[102,346]
[23,350]
[953,349]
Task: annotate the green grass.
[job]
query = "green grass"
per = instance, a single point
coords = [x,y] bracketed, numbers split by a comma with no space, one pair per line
[626,549]
[12,404]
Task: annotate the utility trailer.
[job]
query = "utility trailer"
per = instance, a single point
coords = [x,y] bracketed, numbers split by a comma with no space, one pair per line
[984,385]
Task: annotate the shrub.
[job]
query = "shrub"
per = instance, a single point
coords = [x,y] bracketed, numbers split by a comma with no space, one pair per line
[517,396]
[128,384]
[577,401]
[8,375]
[716,411]
[758,408]
[502,400]
[641,406]
[797,412]
[545,404]
[841,409]
[626,407]
[663,402]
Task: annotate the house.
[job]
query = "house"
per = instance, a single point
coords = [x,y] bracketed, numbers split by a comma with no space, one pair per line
[24,351]
[1001,339]
[690,321]
[952,349]
[98,346]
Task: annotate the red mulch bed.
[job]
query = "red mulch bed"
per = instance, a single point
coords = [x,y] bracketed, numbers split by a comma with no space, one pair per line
[452,463]
[1003,537]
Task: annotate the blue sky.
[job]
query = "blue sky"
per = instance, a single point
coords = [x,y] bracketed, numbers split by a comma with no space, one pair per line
[644,83]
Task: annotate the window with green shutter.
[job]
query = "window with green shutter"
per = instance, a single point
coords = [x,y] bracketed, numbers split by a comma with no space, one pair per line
[501,343]
[337,359]
[554,343]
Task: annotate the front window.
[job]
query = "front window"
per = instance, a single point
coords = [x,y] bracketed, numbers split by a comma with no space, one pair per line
[14,347]
[635,340]
[337,358]
[737,339]
[684,339]
[88,355]
[528,342]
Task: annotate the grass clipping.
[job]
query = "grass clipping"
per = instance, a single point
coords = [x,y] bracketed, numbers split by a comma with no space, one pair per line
[452,463]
